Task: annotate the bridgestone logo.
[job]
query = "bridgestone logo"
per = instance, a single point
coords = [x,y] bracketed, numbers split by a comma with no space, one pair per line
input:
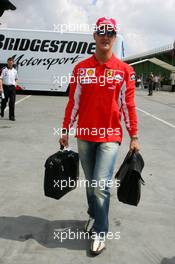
[47,45]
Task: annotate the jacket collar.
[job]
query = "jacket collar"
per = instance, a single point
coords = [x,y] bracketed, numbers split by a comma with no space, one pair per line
[111,63]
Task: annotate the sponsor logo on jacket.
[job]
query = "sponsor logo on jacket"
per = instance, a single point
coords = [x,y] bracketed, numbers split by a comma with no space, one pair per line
[119,76]
[132,76]
[109,73]
[87,72]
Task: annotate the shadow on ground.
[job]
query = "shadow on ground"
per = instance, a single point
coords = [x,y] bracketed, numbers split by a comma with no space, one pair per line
[168,261]
[47,233]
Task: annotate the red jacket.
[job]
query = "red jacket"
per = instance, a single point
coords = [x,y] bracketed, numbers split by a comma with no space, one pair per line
[99,93]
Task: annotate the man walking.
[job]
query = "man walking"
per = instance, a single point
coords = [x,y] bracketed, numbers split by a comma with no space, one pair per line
[101,89]
[9,78]
[172,78]
[150,84]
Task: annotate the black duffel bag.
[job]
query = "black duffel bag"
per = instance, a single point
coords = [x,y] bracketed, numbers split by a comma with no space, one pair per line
[61,173]
[130,180]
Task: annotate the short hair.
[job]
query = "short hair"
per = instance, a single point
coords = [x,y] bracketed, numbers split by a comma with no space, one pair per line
[10,59]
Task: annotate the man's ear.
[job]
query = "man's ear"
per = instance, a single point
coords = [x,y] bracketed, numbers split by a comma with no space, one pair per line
[94,35]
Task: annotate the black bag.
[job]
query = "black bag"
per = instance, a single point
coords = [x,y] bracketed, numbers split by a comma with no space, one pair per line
[61,173]
[130,180]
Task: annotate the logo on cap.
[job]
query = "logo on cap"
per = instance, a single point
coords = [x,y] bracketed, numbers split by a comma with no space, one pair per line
[106,21]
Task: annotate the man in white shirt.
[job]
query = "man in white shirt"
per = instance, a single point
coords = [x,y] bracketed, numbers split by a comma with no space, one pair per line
[8,82]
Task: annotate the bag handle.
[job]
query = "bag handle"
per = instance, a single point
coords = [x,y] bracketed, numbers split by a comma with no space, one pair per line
[62,148]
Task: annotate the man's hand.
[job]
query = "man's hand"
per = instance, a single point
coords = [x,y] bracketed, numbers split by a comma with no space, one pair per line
[134,144]
[64,140]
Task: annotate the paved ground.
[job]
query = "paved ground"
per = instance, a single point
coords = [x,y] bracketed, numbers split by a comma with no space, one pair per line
[28,219]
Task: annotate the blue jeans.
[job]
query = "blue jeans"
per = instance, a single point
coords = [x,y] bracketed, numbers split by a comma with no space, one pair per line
[98,160]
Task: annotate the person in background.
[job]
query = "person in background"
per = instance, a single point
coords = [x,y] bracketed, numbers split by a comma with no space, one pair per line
[156,82]
[150,84]
[8,82]
[139,82]
[162,80]
[172,78]
[101,89]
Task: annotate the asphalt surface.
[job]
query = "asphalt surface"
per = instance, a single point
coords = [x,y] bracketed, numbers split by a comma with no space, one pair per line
[28,219]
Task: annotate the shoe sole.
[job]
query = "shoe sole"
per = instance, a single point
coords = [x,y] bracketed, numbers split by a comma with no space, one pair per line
[96,253]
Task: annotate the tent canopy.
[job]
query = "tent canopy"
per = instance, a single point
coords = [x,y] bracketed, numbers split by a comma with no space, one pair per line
[158,62]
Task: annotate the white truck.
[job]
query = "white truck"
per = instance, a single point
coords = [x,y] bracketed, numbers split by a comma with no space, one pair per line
[45,59]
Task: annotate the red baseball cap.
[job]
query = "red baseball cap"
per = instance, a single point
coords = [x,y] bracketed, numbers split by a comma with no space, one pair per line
[106,21]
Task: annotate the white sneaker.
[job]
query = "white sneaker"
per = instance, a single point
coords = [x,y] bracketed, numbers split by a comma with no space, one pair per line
[89,224]
[97,245]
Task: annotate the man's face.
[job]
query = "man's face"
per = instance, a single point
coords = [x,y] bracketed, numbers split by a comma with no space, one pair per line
[10,63]
[104,37]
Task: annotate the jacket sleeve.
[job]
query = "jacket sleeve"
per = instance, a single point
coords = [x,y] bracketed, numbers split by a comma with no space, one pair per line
[72,107]
[127,100]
